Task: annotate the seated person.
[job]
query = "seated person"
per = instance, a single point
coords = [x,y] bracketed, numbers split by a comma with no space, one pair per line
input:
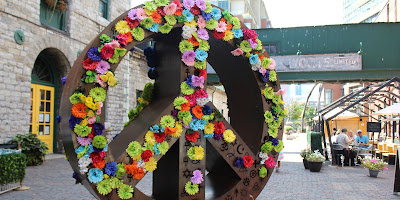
[362,140]
[344,140]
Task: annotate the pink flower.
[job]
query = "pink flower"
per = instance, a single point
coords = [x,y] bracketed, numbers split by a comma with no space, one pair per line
[262,70]
[201,22]
[249,34]
[84,141]
[141,14]
[200,94]
[270,163]
[237,52]
[280,92]
[373,161]
[201,4]
[197,177]
[91,120]
[170,9]
[253,45]
[188,56]
[188,4]
[191,99]
[114,43]
[189,63]
[221,27]
[98,112]
[132,14]
[102,154]
[197,81]
[101,104]
[99,81]
[122,38]
[107,52]
[178,3]
[272,64]
[102,67]
[385,168]
[203,34]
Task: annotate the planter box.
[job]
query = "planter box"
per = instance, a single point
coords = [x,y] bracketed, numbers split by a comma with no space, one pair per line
[315,166]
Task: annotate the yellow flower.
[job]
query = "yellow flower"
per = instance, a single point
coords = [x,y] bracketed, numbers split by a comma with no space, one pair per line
[122,27]
[229,136]
[248,55]
[83,98]
[142,101]
[179,130]
[209,128]
[90,113]
[137,158]
[84,122]
[104,78]
[199,153]
[105,176]
[228,35]
[285,111]
[148,12]
[191,23]
[151,165]
[150,138]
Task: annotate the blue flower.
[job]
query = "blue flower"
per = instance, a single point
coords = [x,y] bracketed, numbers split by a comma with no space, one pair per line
[201,55]
[206,16]
[74,121]
[156,151]
[207,110]
[162,129]
[155,128]
[239,162]
[64,79]
[197,124]
[216,13]
[265,77]
[153,28]
[90,149]
[237,33]
[274,141]
[95,175]
[94,54]
[254,59]
[209,135]
[105,148]
[189,16]
[80,149]
[111,168]
[189,82]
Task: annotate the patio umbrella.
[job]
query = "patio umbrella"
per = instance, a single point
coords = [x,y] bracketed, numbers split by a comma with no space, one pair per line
[344,115]
[390,110]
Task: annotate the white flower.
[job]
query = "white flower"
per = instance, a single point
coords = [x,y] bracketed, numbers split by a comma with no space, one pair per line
[263,155]
[202,101]
[83,170]
[186,35]
[84,161]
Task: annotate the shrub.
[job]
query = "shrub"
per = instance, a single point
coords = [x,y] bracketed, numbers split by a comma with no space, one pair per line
[12,168]
[32,147]
[315,157]
[305,152]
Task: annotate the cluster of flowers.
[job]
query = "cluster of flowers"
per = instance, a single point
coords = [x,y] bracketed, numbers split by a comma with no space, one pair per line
[192,186]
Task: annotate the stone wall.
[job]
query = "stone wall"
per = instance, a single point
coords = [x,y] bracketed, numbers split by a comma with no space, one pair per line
[83,23]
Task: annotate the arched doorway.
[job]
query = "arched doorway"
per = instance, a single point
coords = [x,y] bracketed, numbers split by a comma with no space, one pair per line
[50,65]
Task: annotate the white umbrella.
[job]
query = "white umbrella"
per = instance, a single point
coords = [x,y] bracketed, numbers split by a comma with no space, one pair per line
[390,110]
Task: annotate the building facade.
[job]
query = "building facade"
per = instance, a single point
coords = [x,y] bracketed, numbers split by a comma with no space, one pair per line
[368,11]
[38,46]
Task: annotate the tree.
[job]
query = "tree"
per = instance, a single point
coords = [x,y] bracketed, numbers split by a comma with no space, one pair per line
[294,111]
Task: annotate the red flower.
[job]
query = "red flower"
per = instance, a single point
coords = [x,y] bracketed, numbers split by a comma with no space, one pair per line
[178,12]
[194,41]
[123,39]
[195,10]
[160,137]
[132,23]
[160,10]
[218,35]
[95,157]
[178,4]
[191,99]
[192,137]
[247,161]
[202,73]
[219,127]
[200,93]
[249,34]
[146,155]
[90,64]
[107,52]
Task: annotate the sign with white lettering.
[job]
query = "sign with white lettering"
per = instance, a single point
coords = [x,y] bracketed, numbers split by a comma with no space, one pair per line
[322,62]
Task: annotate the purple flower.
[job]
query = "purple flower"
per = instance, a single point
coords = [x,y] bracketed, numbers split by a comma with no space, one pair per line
[201,4]
[197,177]
[253,45]
[174,113]
[96,150]
[132,14]
[111,168]
[84,140]
[207,110]
[98,128]
[74,121]
[189,56]
[274,141]
[63,80]
[239,162]
[189,82]
[265,77]
[188,4]
[217,136]
[94,54]
[206,16]
[203,34]
[103,67]
[197,81]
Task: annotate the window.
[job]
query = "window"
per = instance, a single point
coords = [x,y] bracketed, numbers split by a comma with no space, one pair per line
[223,4]
[248,25]
[298,90]
[103,8]
[50,16]
[328,96]
[271,49]
[138,94]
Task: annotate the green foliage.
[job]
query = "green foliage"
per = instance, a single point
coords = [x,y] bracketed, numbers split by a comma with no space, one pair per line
[148,91]
[144,101]
[315,141]
[288,128]
[316,156]
[32,147]
[12,167]
[305,152]
[294,111]
[375,164]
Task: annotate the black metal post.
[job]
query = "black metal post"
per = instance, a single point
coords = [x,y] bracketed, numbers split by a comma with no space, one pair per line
[330,142]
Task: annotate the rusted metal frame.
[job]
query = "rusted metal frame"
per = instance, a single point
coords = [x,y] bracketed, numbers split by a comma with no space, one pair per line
[322,111]
[330,141]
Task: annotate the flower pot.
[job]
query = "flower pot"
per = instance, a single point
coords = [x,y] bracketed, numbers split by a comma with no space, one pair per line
[315,166]
[305,163]
[373,172]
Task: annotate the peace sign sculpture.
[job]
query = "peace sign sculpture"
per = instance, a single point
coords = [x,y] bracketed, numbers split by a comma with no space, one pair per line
[180,136]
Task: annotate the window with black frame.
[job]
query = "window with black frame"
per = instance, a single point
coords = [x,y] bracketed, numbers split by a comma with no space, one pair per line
[103,8]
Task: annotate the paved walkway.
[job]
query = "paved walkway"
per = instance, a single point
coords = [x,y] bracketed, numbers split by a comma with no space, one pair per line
[53,180]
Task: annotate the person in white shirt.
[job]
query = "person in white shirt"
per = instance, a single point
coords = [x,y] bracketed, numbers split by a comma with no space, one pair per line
[344,140]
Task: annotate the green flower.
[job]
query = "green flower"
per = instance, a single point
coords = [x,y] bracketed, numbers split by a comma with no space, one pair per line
[236,23]
[279,147]
[149,5]
[115,182]
[99,141]
[207,117]
[273,132]
[185,116]
[185,45]
[245,46]
[268,92]
[208,8]
[113,59]
[98,93]
[228,17]
[277,99]
[263,172]
[167,120]
[185,89]
[104,187]
[166,28]
[212,24]
[120,170]
[181,18]
[105,38]
[148,146]
[179,101]
[272,76]
[76,98]
[134,149]
[82,131]
[268,117]
[275,124]
[138,33]
[171,20]
[265,62]
[161,2]
[125,191]
[163,147]
[90,77]
[267,147]
[203,45]
[147,22]
[200,65]
[259,45]
[82,153]
[191,188]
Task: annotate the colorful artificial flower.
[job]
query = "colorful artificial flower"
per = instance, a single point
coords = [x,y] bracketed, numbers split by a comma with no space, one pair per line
[228,35]
[138,33]
[151,164]
[195,153]
[160,137]
[146,155]
[170,130]
[134,149]
[149,138]
[82,130]
[191,188]
[167,120]
[197,177]
[211,24]
[125,191]
[84,140]
[248,161]
[201,55]
[185,45]
[104,187]
[245,46]
[102,67]
[270,163]
[239,162]
[74,121]
[98,93]
[107,51]
[99,141]
[89,64]
[279,146]
[105,38]
[95,175]
[237,52]
[229,136]
[179,130]
[216,13]
[166,28]
[218,35]
[267,147]
[111,168]
[163,147]
[263,172]
[219,127]
[185,89]
[192,137]
[122,27]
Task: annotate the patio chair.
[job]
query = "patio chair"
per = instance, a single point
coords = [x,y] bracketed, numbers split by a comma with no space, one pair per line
[338,153]
[363,152]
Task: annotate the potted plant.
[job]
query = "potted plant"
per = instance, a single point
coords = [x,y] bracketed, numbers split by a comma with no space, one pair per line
[32,147]
[374,166]
[304,153]
[57,4]
[315,161]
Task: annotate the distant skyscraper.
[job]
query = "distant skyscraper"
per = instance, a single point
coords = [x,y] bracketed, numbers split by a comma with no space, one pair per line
[367,11]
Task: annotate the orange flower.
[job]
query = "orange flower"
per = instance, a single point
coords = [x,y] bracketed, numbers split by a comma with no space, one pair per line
[194,41]
[169,131]
[185,107]
[134,171]
[197,111]
[139,173]
[129,37]
[178,12]
[223,20]
[229,26]
[101,164]
[261,56]
[78,110]
[156,17]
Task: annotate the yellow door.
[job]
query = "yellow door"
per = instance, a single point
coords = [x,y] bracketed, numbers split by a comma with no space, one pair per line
[42,113]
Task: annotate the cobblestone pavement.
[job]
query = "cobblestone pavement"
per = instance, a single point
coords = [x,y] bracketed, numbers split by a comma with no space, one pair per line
[53,180]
